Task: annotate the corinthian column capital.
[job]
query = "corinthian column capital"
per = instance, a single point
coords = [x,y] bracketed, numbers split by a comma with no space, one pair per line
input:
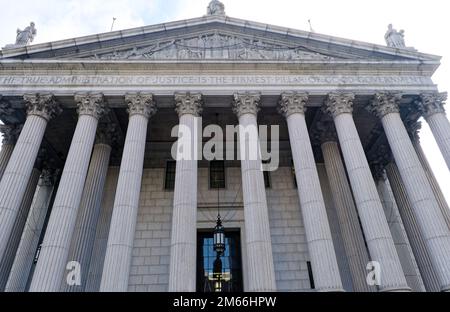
[292,103]
[188,103]
[432,103]
[92,104]
[246,103]
[10,133]
[339,103]
[141,104]
[106,134]
[42,105]
[5,107]
[384,103]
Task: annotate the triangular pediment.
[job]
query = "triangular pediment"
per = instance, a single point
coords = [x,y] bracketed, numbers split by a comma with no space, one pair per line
[214,38]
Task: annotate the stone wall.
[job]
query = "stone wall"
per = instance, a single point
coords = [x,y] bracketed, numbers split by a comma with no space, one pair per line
[151,252]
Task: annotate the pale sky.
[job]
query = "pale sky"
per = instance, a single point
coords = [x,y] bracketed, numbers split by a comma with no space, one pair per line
[425,23]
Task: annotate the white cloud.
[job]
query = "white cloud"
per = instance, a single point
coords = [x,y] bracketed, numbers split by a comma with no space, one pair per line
[425,24]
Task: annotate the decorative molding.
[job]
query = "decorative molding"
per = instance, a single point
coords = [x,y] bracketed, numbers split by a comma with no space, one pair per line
[92,104]
[141,104]
[384,103]
[339,103]
[432,103]
[292,103]
[106,134]
[246,103]
[188,103]
[42,105]
[10,133]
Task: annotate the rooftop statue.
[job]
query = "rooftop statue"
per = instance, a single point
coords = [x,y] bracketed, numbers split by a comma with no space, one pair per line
[394,38]
[216,7]
[24,37]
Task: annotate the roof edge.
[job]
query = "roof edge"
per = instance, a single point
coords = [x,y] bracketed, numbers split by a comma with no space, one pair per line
[59,44]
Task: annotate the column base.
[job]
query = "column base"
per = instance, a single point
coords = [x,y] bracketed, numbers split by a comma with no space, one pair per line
[396,289]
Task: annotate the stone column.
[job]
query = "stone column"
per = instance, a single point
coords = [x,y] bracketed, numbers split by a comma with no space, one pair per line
[19,224]
[29,241]
[318,233]
[102,231]
[10,135]
[84,233]
[413,131]
[432,107]
[401,241]
[261,274]
[51,266]
[378,237]
[117,263]
[352,236]
[40,109]
[416,239]
[421,196]
[183,251]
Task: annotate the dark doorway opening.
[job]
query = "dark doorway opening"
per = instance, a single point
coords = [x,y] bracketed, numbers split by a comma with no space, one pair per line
[231,262]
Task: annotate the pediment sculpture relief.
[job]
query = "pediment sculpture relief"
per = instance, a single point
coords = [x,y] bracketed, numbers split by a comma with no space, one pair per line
[214,46]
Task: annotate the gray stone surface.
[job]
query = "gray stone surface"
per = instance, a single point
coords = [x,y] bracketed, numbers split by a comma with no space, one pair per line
[18,171]
[261,273]
[318,234]
[84,234]
[352,235]
[413,231]
[102,231]
[51,267]
[421,196]
[376,230]
[399,236]
[13,243]
[29,241]
[116,270]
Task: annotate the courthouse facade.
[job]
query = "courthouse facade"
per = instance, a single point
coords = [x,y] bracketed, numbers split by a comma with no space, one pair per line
[91,198]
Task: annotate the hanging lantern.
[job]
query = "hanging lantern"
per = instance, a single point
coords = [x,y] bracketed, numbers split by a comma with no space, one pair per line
[219,237]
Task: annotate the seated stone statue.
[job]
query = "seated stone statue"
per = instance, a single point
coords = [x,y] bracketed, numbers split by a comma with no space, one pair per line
[394,38]
[216,7]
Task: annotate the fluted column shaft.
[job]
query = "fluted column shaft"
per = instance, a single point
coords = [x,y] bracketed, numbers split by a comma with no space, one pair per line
[117,263]
[318,234]
[416,239]
[5,154]
[426,209]
[29,241]
[102,231]
[443,205]
[51,266]
[84,234]
[401,241]
[355,248]
[10,135]
[378,237]
[261,273]
[440,127]
[14,239]
[432,106]
[183,251]
[41,108]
